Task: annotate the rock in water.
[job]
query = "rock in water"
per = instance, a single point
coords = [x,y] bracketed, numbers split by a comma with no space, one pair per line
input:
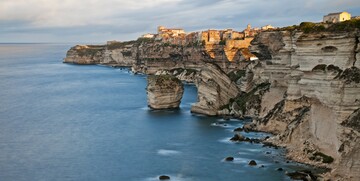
[229,158]
[252,163]
[215,89]
[164,92]
[237,137]
[164,177]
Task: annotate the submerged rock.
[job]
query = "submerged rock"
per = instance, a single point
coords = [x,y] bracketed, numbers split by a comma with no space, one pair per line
[237,137]
[164,177]
[164,92]
[252,163]
[239,129]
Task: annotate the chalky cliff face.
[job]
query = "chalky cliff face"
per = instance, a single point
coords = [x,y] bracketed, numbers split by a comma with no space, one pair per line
[313,103]
[164,92]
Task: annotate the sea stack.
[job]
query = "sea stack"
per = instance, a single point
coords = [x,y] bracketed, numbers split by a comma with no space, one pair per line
[164,92]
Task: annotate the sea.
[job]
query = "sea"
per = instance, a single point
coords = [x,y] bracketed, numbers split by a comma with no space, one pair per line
[91,123]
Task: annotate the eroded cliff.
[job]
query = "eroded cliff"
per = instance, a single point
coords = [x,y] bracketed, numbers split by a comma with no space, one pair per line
[312,104]
[215,89]
[149,56]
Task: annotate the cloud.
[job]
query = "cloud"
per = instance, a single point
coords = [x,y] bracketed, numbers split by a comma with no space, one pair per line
[101,20]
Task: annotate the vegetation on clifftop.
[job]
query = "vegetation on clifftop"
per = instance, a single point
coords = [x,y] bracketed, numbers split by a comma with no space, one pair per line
[164,81]
[90,50]
[310,27]
[118,45]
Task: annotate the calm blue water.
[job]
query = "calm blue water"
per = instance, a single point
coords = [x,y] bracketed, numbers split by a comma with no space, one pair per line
[67,122]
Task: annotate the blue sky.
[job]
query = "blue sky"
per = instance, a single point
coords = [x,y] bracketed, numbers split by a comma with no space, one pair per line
[96,21]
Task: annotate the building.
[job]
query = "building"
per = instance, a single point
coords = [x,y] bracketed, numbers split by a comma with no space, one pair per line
[229,34]
[170,31]
[250,32]
[355,17]
[148,35]
[267,27]
[337,17]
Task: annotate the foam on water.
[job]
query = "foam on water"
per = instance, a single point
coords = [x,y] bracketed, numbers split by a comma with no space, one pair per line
[165,152]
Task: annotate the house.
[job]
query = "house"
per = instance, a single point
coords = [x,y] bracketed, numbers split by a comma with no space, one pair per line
[170,31]
[337,17]
[267,27]
[148,35]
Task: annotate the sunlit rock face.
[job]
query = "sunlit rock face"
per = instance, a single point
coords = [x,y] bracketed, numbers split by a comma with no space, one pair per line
[215,89]
[85,54]
[318,76]
[164,92]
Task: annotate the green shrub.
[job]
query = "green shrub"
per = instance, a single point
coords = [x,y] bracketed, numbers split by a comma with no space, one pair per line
[236,75]
[87,52]
[222,42]
[325,158]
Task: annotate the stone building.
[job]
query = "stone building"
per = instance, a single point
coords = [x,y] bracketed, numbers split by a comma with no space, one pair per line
[250,32]
[229,34]
[170,31]
[267,27]
[337,17]
[148,35]
[214,36]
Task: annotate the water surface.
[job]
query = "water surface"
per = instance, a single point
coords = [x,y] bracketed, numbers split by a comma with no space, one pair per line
[67,122]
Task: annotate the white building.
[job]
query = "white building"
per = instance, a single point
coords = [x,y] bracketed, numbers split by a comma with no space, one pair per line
[337,17]
[147,35]
[267,27]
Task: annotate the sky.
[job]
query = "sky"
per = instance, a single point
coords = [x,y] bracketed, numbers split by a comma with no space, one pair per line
[97,21]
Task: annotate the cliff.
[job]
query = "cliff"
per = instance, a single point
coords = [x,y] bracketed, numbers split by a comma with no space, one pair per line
[164,92]
[215,89]
[149,56]
[101,54]
[313,101]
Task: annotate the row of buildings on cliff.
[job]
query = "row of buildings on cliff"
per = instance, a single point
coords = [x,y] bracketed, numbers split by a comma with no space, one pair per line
[178,36]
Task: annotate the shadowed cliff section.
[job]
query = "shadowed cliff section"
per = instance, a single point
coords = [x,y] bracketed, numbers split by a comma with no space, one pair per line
[215,89]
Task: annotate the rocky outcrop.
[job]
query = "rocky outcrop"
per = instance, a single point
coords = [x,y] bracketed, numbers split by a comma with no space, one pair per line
[312,104]
[164,92]
[101,54]
[215,89]
[85,54]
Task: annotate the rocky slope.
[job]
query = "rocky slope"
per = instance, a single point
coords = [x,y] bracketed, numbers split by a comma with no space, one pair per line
[313,101]
[215,89]
[164,92]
